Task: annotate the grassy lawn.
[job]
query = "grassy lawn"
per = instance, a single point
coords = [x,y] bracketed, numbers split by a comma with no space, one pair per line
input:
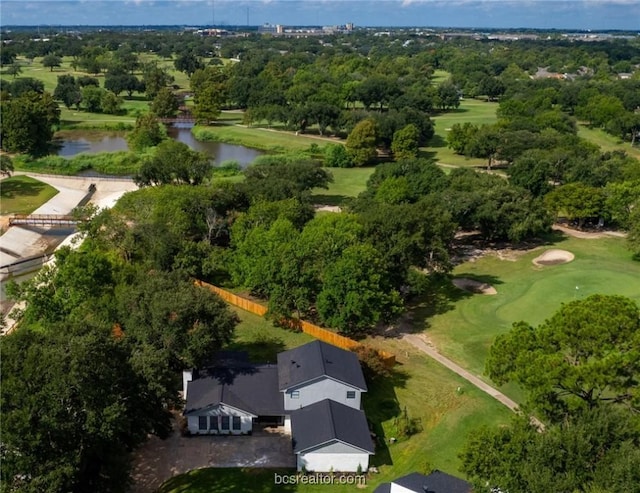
[463,328]
[261,339]
[470,110]
[347,183]
[23,194]
[427,391]
[607,142]
[276,141]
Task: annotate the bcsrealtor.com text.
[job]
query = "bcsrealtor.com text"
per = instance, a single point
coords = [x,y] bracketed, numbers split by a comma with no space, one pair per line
[328,479]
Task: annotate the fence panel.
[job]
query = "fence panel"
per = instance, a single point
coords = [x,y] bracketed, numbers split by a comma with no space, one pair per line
[320,333]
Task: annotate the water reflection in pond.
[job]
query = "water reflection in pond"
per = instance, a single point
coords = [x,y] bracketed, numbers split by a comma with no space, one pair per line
[71,143]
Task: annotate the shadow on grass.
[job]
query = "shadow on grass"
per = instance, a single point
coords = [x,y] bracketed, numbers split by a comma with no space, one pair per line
[262,349]
[326,199]
[484,278]
[381,405]
[17,187]
[439,298]
[228,480]
[437,141]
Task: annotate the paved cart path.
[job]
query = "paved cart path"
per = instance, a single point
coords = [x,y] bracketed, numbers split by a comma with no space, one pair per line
[419,343]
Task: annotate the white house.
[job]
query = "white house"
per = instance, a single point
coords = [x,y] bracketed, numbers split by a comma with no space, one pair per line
[314,391]
[228,400]
[329,436]
[317,371]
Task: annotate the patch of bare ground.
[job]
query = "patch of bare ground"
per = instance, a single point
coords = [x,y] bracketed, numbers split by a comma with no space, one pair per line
[589,235]
[474,286]
[553,257]
[469,246]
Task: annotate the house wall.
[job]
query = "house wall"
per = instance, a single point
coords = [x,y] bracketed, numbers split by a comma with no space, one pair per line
[319,390]
[187,376]
[346,462]
[246,421]
[287,424]
[395,488]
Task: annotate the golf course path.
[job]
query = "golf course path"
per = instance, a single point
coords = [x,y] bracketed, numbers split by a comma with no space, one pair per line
[419,343]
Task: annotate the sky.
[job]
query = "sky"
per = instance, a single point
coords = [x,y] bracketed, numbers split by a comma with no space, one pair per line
[543,14]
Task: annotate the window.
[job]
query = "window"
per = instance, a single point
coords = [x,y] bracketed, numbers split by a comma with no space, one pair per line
[213,422]
[202,423]
[225,423]
[351,394]
[236,422]
[295,394]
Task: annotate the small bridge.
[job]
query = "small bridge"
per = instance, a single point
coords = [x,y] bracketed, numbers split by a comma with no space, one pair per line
[59,220]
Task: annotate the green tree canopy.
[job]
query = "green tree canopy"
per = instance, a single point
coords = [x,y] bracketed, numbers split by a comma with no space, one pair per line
[356,293]
[27,122]
[586,354]
[146,133]
[97,410]
[174,162]
[361,143]
[595,451]
[405,142]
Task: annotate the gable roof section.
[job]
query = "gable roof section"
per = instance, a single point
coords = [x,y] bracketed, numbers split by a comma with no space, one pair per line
[317,359]
[436,482]
[327,421]
[253,389]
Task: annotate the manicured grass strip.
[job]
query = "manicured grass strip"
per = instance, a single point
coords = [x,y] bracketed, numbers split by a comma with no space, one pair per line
[347,183]
[607,142]
[257,138]
[23,194]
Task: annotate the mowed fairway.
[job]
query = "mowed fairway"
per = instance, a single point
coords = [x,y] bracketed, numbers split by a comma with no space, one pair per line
[470,110]
[466,330]
[607,142]
[23,194]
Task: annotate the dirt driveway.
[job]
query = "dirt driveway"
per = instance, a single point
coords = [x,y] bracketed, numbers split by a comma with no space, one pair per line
[158,460]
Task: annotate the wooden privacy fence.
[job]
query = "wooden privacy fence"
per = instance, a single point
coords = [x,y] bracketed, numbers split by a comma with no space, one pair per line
[306,327]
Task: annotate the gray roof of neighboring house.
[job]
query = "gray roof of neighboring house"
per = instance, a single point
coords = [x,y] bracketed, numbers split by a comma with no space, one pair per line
[327,421]
[250,388]
[317,359]
[436,482]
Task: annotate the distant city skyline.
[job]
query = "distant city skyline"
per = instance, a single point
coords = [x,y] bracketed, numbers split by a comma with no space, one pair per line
[531,14]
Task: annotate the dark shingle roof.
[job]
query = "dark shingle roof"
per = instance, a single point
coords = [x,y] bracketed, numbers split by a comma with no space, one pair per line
[326,421]
[250,388]
[317,359]
[436,482]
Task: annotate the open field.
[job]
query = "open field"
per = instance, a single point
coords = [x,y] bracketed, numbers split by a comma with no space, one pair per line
[23,194]
[463,327]
[427,391]
[347,183]
[606,141]
[470,110]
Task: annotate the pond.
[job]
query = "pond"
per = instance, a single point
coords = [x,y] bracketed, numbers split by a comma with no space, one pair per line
[75,142]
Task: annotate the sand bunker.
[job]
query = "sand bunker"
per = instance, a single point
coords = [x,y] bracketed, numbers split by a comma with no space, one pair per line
[473,286]
[554,257]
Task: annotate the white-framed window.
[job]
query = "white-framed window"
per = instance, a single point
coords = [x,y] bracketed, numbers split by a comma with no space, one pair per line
[351,394]
[202,423]
[236,423]
[213,423]
[225,422]
[295,394]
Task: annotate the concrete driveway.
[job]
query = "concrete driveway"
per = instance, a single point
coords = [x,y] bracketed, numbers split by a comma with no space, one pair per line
[158,460]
